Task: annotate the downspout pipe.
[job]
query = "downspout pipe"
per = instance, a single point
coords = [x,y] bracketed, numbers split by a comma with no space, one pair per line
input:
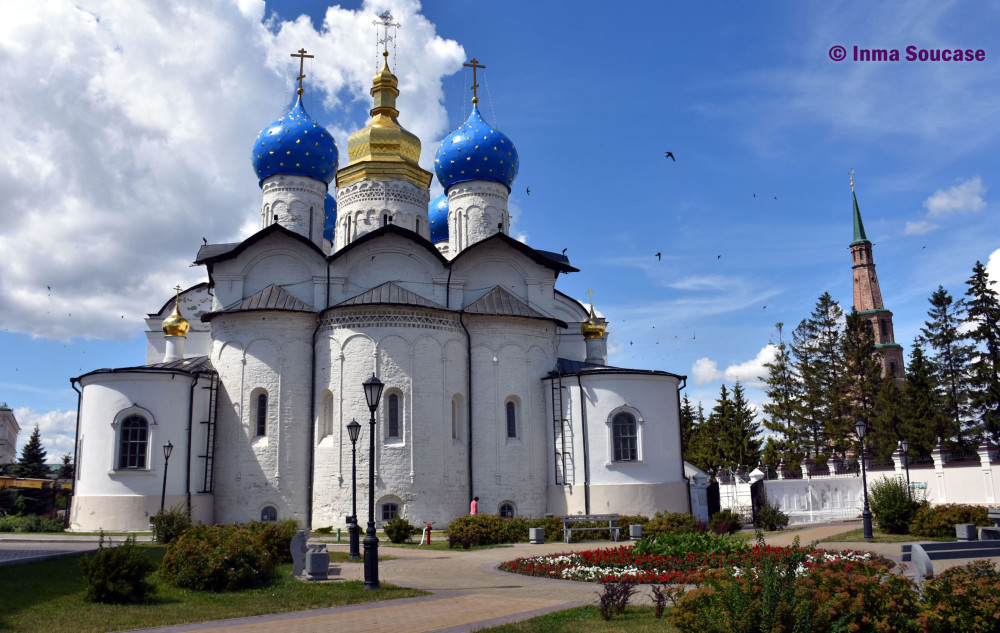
[312,422]
[586,447]
[187,473]
[680,440]
[76,450]
[468,374]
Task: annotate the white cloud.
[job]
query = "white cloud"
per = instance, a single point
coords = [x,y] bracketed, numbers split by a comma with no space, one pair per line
[993,267]
[705,370]
[964,197]
[56,428]
[127,137]
[919,228]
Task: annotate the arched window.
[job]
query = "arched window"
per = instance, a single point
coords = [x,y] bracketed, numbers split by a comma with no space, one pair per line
[390,510]
[385,219]
[418,225]
[347,232]
[269,513]
[507,510]
[511,419]
[261,414]
[134,443]
[392,424]
[326,427]
[892,368]
[624,438]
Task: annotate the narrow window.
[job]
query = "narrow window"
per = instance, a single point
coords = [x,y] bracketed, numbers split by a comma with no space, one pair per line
[327,414]
[455,416]
[262,414]
[892,368]
[418,225]
[134,441]
[269,514]
[511,420]
[310,222]
[393,403]
[884,326]
[389,511]
[385,219]
[624,438]
[347,233]
[506,510]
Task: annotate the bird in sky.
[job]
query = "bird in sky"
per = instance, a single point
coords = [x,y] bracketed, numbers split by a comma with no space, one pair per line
[205,240]
[754,195]
[564,251]
[718,257]
[659,255]
[775,197]
[764,308]
[670,155]
[528,191]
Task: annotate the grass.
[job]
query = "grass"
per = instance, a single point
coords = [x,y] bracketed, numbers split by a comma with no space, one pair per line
[634,620]
[48,597]
[858,536]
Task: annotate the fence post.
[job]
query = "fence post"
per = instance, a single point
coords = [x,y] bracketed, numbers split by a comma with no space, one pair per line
[987,453]
[941,456]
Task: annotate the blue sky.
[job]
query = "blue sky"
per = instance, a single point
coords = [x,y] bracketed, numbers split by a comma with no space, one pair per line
[129,129]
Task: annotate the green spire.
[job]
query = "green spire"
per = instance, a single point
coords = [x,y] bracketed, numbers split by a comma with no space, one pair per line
[859,228]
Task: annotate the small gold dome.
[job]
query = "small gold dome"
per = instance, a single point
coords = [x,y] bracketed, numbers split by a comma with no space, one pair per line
[175,324]
[592,328]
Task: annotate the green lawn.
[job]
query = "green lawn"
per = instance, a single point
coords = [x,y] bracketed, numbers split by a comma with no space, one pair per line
[48,597]
[634,620]
[858,536]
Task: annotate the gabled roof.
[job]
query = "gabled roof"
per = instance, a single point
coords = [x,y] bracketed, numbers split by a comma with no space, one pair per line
[555,261]
[274,297]
[390,229]
[192,365]
[567,367]
[390,293]
[211,253]
[500,302]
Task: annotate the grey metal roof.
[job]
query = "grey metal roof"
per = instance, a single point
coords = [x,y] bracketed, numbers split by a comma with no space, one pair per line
[390,293]
[192,365]
[568,367]
[274,297]
[208,251]
[500,301]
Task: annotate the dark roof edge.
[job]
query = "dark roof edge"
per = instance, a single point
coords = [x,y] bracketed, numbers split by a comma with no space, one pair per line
[150,369]
[257,237]
[395,230]
[208,316]
[606,371]
[523,248]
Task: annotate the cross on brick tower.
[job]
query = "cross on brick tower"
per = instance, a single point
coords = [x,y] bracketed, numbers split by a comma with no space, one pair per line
[302,60]
[474,64]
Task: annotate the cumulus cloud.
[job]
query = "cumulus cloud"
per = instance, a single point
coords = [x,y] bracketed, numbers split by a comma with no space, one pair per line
[993,266]
[705,370]
[127,137]
[919,228]
[56,428]
[965,197]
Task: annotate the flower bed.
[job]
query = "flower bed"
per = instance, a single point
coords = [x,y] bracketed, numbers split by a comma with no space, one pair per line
[623,564]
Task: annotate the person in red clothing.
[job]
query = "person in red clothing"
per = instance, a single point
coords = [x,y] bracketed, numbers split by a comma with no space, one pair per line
[474,506]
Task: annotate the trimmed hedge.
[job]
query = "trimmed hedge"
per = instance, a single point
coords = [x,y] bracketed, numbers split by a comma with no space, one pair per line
[489,529]
[939,521]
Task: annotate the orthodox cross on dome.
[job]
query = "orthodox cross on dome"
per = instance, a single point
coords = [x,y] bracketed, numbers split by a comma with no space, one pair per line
[302,60]
[474,64]
[385,20]
[591,293]
[178,289]
[851,174]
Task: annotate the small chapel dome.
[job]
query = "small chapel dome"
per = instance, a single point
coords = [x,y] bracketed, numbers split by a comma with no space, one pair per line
[476,151]
[297,145]
[592,328]
[329,217]
[175,324]
[438,216]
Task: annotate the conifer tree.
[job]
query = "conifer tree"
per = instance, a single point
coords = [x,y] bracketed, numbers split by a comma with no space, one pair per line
[862,376]
[724,447]
[702,450]
[821,410]
[783,394]
[66,470]
[687,424]
[984,316]
[887,417]
[922,420]
[949,358]
[744,429]
[31,463]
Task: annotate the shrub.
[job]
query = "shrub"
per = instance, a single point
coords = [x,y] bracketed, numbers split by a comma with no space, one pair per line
[552,526]
[486,529]
[169,524]
[117,575]
[278,536]
[222,557]
[615,598]
[892,505]
[324,530]
[399,530]
[679,544]
[671,522]
[964,599]
[939,521]
[770,517]
[725,522]
[30,523]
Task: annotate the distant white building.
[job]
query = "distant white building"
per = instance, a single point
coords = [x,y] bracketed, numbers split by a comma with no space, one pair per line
[8,435]
[496,383]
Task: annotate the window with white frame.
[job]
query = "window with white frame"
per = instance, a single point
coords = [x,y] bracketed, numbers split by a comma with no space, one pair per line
[133,443]
[392,431]
[624,437]
[456,417]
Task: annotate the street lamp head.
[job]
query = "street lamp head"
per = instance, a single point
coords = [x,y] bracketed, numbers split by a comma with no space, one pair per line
[861,428]
[373,392]
[905,445]
[353,430]
[167,449]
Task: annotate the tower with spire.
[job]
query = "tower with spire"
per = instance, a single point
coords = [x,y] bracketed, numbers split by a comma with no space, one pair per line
[868,296]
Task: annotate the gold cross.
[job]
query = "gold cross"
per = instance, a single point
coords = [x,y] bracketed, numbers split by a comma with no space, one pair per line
[302,60]
[851,174]
[474,65]
[385,20]
[178,289]
[591,293]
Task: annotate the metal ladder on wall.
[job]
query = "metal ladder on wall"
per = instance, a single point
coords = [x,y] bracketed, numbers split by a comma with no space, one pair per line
[209,455]
[562,437]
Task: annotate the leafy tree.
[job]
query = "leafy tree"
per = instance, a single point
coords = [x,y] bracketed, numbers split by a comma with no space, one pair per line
[949,358]
[31,463]
[862,376]
[984,316]
[783,394]
[922,420]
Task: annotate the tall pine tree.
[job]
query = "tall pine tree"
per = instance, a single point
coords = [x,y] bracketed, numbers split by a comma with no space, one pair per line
[744,429]
[822,409]
[783,394]
[984,316]
[949,358]
[862,376]
[31,463]
[687,424]
[922,420]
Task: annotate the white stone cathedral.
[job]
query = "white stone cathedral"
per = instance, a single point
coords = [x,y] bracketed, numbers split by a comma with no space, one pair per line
[496,383]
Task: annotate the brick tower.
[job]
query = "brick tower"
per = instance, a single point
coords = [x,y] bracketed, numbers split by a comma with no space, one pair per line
[868,296]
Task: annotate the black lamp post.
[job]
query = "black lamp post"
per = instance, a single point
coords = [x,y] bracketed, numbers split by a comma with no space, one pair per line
[353,430]
[167,449]
[373,391]
[866,516]
[905,445]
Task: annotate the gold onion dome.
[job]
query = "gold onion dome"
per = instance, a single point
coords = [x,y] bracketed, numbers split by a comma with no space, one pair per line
[175,324]
[592,328]
[383,149]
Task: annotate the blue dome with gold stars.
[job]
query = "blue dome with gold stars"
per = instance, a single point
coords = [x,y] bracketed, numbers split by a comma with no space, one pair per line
[295,144]
[437,213]
[476,151]
[329,217]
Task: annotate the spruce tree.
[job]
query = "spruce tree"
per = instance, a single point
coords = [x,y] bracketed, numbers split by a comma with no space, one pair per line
[31,463]
[783,394]
[922,420]
[702,450]
[862,376]
[744,429]
[887,417]
[984,316]
[822,409]
[724,447]
[66,470]
[949,358]
[687,424]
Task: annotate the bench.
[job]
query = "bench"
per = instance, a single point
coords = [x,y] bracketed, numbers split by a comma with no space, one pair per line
[993,514]
[921,554]
[589,518]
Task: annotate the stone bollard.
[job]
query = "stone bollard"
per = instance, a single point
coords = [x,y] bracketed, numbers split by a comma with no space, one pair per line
[298,547]
[635,532]
[536,536]
[966,531]
[317,562]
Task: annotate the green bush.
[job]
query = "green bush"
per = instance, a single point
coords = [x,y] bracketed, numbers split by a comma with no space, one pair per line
[725,522]
[223,557]
[169,524]
[679,544]
[278,536]
[892,505]
[552,526]
[399,530]
[964,599]
[671,522]
[486,529]
[30,523]
[117,575]
[770,517]
[939,521]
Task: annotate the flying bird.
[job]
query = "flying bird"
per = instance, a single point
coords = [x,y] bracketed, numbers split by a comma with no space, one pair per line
[528,191]
[754,195]
[775,197]
[718,257]
[564,251]
[670,155]
[764,308]
[658,256]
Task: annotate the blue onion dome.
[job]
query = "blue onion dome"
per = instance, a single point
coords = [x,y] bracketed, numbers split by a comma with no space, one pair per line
[438,216]
[476,151]
[329,217]
[295,144]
